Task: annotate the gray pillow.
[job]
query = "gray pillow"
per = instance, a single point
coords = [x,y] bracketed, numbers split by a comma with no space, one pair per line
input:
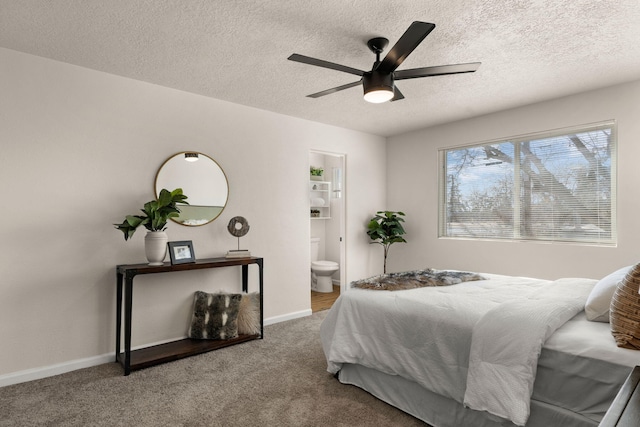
[215,316]
[599,300]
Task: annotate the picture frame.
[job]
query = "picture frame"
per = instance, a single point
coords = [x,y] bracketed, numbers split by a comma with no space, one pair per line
[181,252]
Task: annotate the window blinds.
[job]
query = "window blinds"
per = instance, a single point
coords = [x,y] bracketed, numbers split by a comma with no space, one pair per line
[554,186]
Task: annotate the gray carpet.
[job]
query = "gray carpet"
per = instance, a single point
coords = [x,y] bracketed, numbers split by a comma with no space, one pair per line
[279,381]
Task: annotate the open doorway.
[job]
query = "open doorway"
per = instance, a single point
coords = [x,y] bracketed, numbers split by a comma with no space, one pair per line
[327,219]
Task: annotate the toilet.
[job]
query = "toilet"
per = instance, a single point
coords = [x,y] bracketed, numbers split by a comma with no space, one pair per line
[321,271]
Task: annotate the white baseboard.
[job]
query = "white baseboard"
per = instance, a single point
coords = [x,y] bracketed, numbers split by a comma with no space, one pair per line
[49,371]
[289,316]
[73,365]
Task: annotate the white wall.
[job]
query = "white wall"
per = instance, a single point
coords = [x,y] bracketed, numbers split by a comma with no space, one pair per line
[80,150]
[413,179]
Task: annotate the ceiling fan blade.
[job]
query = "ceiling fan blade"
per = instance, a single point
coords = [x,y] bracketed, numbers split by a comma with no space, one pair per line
[334,90]
[411,38]
[324,64]
[439,70]
[397,95]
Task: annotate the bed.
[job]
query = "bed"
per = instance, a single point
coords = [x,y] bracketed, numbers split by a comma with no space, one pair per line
[500,351]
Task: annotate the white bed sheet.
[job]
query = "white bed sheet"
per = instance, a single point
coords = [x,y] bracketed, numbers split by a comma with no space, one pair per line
[593,340]
[355,332]
[507,342]
[577,337]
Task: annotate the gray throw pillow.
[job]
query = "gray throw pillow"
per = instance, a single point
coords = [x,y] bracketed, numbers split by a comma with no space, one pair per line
[215,316]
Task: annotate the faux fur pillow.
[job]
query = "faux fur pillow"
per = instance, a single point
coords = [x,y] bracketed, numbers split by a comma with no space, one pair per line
[215,316]
[249,314]
[625,311]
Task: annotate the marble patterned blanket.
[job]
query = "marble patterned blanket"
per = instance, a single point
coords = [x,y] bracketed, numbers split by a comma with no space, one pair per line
[415,279]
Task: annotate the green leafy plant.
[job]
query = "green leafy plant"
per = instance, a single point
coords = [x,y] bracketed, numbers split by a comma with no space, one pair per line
[156,213]
[386,229]
[316,171]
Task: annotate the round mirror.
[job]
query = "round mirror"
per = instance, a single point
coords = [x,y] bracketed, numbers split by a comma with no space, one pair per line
[203,182]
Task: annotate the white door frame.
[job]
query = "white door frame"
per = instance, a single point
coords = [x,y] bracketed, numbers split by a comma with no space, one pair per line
[342,218]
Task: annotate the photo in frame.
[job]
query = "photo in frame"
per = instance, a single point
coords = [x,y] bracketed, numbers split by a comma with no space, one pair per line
[181,252]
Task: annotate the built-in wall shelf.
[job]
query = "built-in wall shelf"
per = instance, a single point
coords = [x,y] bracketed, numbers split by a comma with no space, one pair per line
[320,199]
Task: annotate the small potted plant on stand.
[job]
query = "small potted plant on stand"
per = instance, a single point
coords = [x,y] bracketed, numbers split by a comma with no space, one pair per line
[156,215]
[316,173]
[386,229]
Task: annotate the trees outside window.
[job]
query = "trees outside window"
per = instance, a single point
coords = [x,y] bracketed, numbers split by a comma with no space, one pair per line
[552,186]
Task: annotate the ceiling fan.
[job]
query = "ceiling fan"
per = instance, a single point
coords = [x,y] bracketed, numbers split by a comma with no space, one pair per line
[378,83]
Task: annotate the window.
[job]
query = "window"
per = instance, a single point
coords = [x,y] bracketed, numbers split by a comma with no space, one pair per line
[555,186]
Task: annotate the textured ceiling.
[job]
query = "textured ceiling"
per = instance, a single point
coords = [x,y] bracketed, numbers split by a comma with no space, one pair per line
[531,50]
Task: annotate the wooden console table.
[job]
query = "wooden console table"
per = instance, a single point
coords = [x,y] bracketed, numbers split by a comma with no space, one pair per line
[154,355]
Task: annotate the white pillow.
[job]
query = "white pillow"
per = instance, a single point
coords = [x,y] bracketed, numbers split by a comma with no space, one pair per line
[599,300]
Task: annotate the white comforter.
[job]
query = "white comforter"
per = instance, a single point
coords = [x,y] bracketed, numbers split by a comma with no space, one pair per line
[475,342]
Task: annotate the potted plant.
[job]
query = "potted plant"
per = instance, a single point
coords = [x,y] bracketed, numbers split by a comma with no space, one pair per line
[156,214]
[386,229]
[316,173]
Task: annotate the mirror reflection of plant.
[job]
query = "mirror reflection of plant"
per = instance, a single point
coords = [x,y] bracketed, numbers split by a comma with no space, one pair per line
[316,171]
[386,229]
[156,213]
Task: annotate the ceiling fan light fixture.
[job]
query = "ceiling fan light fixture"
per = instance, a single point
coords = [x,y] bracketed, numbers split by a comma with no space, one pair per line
[378,84]
[378,96]
[378,88]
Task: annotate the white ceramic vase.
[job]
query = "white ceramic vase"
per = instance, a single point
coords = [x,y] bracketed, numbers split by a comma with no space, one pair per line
[155,247]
